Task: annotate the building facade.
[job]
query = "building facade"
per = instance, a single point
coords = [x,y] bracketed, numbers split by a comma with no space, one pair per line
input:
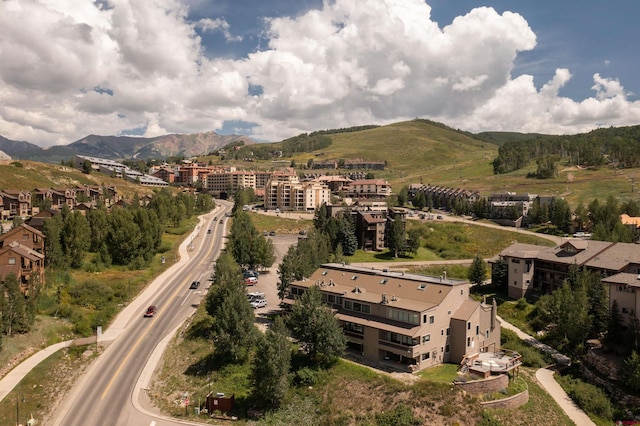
[411,321]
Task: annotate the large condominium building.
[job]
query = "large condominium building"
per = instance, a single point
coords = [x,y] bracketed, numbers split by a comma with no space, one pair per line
[536,270]
[287,193]
[412,320]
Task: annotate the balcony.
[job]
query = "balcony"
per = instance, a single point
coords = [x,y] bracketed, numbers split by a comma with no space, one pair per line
[408,351]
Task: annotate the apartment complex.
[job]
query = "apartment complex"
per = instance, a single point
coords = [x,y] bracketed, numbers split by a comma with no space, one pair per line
[22,253]
[284,191]
[536,270]
[412,321]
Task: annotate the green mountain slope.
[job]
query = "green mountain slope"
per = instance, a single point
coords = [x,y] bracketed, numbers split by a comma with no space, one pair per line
[415,151]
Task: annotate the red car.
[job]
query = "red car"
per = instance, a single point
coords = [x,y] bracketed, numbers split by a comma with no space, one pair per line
[251,280]
[151,311]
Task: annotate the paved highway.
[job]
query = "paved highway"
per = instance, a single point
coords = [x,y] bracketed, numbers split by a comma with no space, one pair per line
[104,395]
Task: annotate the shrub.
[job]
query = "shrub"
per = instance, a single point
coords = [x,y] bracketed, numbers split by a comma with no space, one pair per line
[307,377]
[399,416]
[590,398]
[522,304]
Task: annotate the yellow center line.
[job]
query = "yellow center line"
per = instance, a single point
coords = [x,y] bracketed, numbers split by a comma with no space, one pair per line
[135,345]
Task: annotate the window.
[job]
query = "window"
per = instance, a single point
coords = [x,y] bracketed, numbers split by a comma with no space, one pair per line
[515,260]
[486,334]
[432,319]
[468,326]
[477,330]
[353,327]
[461,292]
[442,332]
[446,348]
[468,341]
[424,318]
[426,338]
[426,356]
[357,306]
[448,331]
[12,261]
[297,291]
[401,339]
[404,316]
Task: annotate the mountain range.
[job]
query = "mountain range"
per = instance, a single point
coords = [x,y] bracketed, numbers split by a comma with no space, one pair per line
[124,147]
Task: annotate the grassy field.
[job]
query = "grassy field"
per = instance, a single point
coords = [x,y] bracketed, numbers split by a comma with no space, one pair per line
[453,240]
[285,223]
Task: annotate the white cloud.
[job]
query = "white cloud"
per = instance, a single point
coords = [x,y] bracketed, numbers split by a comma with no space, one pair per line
[70,68]
[218,24]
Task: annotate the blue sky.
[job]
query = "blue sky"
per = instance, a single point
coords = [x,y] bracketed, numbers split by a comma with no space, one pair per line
[274,69]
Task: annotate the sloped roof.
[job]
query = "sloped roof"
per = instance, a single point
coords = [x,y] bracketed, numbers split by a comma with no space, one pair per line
[616,257]
[523,251]
[576,251]
[401,290]
[465,310]
[624,278]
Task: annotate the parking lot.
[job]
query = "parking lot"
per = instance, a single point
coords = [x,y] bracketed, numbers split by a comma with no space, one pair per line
[268,279]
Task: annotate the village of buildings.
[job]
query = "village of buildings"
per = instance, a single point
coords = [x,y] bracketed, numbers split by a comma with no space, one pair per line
[388,316]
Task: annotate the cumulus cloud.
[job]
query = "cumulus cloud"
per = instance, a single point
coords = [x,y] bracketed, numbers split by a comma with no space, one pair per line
[74,67]
[218,24]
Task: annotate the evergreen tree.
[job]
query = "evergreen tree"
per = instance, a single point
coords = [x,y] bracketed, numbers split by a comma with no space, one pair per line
[478,271]
[614,336]
[270,366]
[396,239]
[76,238]
[14,319]
[53,253]
[500,274]
[413,241]
[631,372]
[403,195]
[233,329]
[316,328]
[347,235]
[98,225]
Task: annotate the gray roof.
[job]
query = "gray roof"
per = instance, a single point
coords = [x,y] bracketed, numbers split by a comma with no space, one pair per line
[574,251]
[616,257]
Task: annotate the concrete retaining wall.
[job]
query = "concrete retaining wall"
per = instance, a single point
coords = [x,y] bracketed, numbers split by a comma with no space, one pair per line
[491,384]
[511,402]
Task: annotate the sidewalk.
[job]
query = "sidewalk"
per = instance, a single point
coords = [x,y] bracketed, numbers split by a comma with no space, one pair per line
[117,327]
[546,379]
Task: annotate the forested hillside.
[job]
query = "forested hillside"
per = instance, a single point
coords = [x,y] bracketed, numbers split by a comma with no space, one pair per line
[618,146]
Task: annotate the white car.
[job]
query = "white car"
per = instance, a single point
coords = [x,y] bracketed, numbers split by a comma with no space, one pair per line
[258,303]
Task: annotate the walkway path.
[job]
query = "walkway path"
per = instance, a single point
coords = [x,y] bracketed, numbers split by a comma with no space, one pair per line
[546,379]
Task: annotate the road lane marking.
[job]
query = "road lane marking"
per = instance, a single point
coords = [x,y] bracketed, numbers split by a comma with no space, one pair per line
[142,335]
[135,345]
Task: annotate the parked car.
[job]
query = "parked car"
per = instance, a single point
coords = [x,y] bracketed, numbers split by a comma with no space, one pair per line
[272,233]
[250,273]
[251,280]
[265,233]
[208,231]
[194,285]
[439,217]
[151,311]
[221,221]
[302,232]
[258,303]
